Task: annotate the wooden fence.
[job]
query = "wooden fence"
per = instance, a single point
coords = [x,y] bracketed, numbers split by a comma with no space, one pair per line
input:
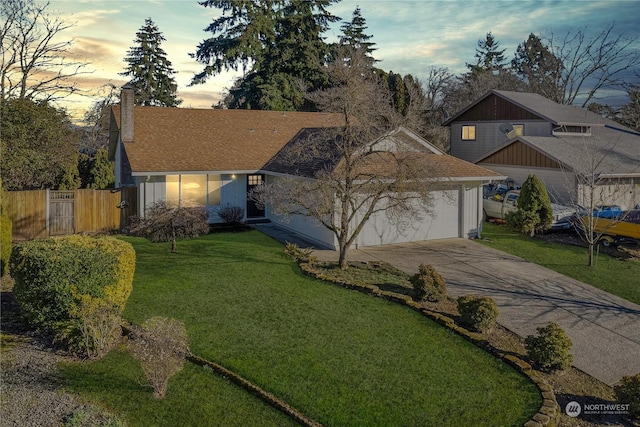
[43,213]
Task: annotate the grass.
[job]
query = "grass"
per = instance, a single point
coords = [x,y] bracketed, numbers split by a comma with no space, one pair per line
[619,277]
[341,357]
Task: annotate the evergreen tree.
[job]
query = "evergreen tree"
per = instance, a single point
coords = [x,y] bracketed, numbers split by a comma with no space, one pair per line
[38,145]
[353,34]
[102,172]
[150,70]
[539,68]
[488,56]
[534,212]
[278,44]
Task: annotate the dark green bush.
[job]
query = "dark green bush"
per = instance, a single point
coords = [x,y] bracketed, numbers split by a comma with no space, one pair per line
[428,284]
[551,348]
[5,243]
[52,276]
[628,392]
[477,313]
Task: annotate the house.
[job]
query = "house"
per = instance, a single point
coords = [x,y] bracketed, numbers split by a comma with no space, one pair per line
[215,157]
[517,134]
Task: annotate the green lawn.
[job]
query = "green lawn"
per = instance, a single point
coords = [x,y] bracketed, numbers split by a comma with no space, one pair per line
[339,356]
[620,277]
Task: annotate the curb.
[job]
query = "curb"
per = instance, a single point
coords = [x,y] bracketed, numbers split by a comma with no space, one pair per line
[549,413]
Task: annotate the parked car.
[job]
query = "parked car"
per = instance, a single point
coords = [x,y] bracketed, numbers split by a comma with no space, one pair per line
[498,206]
[607,212]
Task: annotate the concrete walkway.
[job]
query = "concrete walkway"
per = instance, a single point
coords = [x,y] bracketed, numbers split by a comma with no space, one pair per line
[604,328]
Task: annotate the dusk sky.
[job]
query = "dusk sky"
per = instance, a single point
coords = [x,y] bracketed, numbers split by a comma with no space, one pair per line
[410,36]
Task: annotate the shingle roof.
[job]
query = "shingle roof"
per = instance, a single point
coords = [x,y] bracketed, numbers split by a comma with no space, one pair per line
[297,158]
[558,114]
[607,151]
[190,140]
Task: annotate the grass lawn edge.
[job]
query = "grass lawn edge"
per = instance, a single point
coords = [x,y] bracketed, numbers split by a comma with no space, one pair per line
[549,411]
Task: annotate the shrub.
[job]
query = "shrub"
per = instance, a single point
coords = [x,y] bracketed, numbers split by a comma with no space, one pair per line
[428,284]
[477,313]
[298,254]
[161,347]
[164,222]
[551,348]
[628,392]
[5,243]
[231,214]
[534,212]
[99,323]
[52,276]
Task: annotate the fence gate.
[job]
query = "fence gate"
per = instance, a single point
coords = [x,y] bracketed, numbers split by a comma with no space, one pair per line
[61,212]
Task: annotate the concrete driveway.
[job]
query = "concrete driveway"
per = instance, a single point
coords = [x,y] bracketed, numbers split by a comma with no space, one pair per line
[605,329]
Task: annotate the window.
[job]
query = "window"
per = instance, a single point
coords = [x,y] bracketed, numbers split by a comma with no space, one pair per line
[173,189]
[194,190]
[468,133]
[254,180]
[214,190]
[518,130]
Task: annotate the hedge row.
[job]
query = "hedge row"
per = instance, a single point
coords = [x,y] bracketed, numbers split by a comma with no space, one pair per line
[52,276]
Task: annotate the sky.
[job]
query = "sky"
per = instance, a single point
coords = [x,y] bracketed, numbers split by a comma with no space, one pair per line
[410,36]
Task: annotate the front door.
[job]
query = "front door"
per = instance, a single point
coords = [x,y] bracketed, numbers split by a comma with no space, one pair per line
[253,211]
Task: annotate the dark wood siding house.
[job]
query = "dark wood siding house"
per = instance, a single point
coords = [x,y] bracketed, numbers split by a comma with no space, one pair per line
[517,134]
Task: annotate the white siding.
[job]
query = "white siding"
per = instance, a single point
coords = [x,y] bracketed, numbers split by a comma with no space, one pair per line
[471,209]
[154,189]
[305,226]
[442,220]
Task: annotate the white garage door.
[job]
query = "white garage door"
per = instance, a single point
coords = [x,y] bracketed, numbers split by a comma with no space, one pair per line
[440,222]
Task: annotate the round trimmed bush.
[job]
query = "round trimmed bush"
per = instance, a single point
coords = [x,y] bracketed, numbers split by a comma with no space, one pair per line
[551,348]
[53,275]
[477,313]
[428,284]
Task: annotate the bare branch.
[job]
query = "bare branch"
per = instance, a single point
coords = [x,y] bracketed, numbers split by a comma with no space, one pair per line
[34,64]
[593,64]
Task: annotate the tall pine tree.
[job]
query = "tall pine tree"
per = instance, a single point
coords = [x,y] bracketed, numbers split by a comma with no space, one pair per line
[150,71]
[488,56]
[278,44]
[353,34]
[539,68]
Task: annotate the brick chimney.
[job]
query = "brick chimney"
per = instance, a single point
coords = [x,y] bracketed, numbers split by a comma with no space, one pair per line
[126,113]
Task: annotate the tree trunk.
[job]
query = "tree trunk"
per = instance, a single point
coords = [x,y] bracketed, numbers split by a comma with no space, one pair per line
[174,245]
[591,260]
[342,257]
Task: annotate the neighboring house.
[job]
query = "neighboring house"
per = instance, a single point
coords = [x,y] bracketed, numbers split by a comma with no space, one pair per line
[214,158]
[517,134]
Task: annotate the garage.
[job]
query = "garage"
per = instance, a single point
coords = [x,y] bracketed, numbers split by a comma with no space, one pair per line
[441,221]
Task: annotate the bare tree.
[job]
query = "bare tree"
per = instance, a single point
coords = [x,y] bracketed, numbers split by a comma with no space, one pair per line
[591,65]
[96,119]
[34,64]
[589,189]
[348,173]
